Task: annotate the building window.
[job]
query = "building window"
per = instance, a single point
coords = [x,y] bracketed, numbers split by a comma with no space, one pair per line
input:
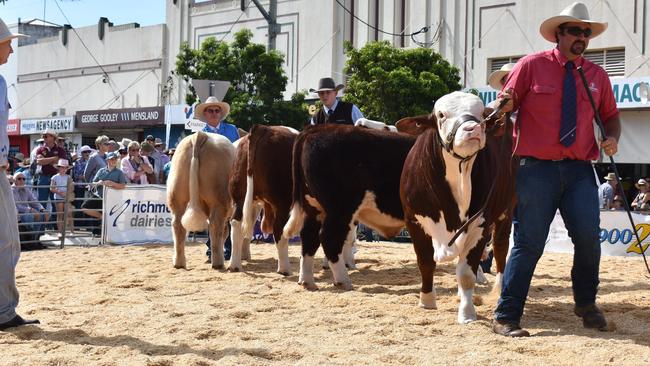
[496,63]
[613,61]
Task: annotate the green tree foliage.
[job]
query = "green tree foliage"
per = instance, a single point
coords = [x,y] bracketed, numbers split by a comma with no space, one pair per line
[389,83]
[256,76]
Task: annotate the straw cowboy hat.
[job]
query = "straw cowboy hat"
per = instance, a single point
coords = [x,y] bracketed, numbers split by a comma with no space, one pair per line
[576,12]
[326,84]
[495,78]
[6,35]
[641,183]
[211,102]
[50,132]
[62,163]
[24,163]
[610,176]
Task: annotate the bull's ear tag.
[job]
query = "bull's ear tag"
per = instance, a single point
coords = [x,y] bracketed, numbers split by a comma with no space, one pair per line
[522,162]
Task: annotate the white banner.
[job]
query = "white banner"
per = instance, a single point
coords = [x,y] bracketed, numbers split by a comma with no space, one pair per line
[137,214]
[37,126]
[616,235]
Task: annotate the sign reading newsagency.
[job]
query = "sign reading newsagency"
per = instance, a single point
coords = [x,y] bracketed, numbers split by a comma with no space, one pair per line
[128,117]
[36,126]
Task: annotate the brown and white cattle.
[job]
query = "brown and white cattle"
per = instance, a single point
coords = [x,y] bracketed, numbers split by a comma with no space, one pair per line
[447,180]
[343,174]
[197,192]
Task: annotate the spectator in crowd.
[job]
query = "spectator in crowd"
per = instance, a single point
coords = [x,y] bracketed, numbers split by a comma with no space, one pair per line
[108,176]
[124,153]
[30,212]
[618,203]
[214,113]
[146,150]
[135,167]
[78,177]
[34,168]
[160,151]
[97,159]
[642,200]
[9,235]
[60,142]
[606,191]
[556,144]
[23,167]
[113,146]
[333,110]
[47,156]
[168,166]
[63,190]
[14,161]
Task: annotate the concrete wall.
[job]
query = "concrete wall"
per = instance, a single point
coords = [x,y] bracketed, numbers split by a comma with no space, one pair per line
[52,75]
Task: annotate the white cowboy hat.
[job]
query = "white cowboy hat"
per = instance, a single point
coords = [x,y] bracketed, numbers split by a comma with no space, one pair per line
[576,12]
[495,78]
[212,101]
[640,182]
[5,33]
[50,132]
[85,148]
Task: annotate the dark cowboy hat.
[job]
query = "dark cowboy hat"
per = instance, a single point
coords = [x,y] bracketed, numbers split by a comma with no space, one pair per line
[326,84]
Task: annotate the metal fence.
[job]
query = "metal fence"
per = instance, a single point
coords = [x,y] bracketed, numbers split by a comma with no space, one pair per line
[53,228]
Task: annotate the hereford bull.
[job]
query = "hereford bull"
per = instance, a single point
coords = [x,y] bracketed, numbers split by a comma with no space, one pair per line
[197,192]
[447,179]
[343,174]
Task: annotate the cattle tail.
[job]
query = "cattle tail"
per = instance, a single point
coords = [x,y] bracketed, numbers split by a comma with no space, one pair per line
[249,212]
[194,218]
[297,214]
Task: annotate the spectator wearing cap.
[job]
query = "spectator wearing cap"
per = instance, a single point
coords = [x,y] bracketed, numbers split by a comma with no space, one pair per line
[30,212]
[333,110]
[642,200]
[606,191]
[108,176]
[46,157]
[160,151]
[78,177]
[147,151]
[97,159]
[62,187]
[23,167]
[214,112]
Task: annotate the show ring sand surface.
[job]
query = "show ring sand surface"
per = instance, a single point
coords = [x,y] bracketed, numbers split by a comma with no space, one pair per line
[127,306]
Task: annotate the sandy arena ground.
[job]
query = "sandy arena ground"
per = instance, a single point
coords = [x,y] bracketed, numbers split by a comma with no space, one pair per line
[128,306]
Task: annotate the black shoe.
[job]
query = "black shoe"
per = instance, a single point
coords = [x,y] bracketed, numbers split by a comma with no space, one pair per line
[17,321]
[508,329]
[592,316]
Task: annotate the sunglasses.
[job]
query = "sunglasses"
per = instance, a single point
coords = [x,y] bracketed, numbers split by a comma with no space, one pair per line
[19,178]
[213,110]
[577,31]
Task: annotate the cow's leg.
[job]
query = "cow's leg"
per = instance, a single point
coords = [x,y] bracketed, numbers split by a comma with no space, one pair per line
[426,264]
[333,235]
[237,240]
[310,243]
[349,249]
[282,243]
[217,229]
[500,245]
[246,241]
[179,241]
[466,270]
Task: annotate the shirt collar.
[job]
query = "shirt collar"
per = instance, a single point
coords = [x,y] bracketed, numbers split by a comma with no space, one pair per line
[336,102]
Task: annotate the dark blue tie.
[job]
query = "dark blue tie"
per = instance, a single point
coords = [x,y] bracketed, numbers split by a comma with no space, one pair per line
[330,112]
[568,121]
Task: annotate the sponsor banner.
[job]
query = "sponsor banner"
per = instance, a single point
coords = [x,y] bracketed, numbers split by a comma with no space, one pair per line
[137,214]
[628,92]
[37,126]
[128,117]
[616,235]
[13,127]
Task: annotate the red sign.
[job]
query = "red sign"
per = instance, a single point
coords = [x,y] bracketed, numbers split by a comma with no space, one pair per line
[13,127]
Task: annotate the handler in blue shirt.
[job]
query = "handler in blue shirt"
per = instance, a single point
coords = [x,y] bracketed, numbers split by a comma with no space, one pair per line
[214,113]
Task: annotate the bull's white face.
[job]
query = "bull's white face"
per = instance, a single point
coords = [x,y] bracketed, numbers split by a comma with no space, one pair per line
[450,110]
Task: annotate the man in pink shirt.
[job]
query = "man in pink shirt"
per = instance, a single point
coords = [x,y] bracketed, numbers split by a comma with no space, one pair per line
[555,140]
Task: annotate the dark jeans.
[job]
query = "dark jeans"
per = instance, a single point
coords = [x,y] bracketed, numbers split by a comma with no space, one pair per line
[542,188]
[227,247]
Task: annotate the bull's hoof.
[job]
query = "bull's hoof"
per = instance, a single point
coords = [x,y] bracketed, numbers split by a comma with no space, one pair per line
[428,301]
[345,286]
[234,269]
[217,266]
[466,315]
[178,266]
[284,273]
[309,286]
[351,266]
[180,263]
